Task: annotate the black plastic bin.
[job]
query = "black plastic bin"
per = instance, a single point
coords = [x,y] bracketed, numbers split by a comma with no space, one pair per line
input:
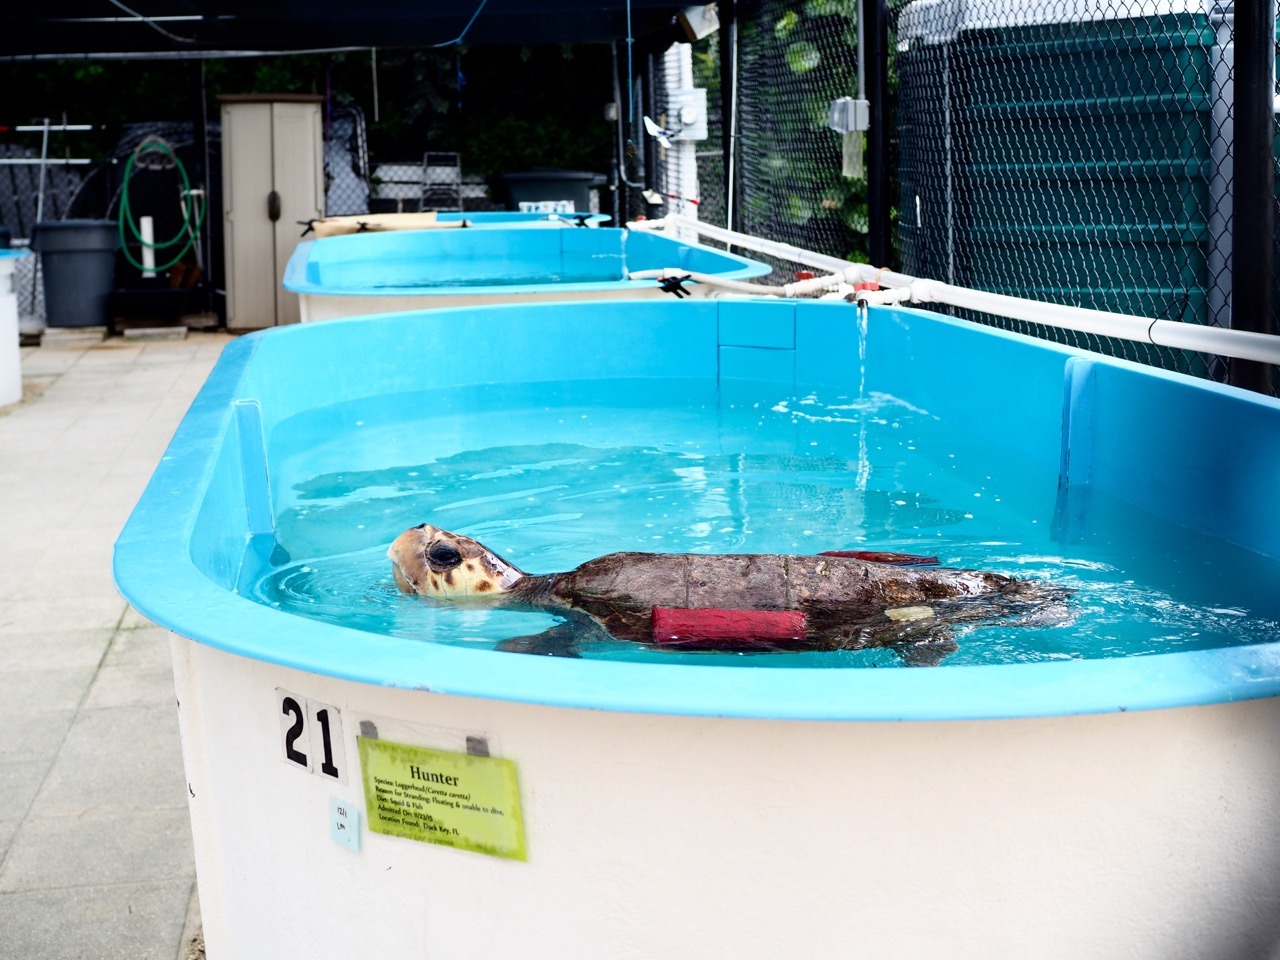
[551,189]
[77,261]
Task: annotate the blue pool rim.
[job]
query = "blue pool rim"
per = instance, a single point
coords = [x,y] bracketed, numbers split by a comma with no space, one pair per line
[729,266]
[155,573]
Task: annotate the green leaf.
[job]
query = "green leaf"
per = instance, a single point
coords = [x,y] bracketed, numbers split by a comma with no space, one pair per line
[803,56]
[799,209]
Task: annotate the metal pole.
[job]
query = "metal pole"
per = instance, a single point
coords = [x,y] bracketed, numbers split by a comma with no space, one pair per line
[44,159]
[876,31]
[615,169]
[729,101]
[649,97]
[1253,217]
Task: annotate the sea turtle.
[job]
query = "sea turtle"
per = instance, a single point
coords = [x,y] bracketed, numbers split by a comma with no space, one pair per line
[735,602]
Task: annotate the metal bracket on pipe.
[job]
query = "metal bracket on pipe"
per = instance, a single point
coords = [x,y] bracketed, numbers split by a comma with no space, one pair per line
[890,295]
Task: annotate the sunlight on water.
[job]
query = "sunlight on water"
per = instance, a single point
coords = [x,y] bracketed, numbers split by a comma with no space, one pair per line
[551,475]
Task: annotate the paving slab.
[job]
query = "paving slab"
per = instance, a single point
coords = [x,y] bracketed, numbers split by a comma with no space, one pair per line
[139,643]
[84,922]
[71,648]
[116,758]
[19,783]
[31,736]
[54,614]
[132,685]
[7,829]
[95,845]
[120,847]
[35,691]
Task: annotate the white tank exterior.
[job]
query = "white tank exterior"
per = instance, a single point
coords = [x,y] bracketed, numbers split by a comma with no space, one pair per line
[1148,834]
[10,356]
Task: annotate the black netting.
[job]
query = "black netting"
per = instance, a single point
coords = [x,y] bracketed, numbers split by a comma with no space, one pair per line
[346,162]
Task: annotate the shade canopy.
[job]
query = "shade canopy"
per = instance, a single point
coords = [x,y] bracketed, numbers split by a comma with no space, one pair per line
[202,28]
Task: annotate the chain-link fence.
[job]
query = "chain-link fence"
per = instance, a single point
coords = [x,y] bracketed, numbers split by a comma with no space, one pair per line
[92,190]
[794,59]
[1077,153]
[346,162]
[30,190]
[792,177]
[1072,151]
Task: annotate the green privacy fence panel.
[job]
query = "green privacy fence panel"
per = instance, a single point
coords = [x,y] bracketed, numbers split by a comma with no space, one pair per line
[1069,161]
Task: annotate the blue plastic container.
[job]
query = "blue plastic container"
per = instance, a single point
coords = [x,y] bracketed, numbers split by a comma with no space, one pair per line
[396,271]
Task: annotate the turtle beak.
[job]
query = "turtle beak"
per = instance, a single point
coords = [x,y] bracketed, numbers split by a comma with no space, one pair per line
[394,554]
[401,580]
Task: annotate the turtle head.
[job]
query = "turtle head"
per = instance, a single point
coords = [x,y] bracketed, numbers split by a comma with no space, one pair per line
[437,563]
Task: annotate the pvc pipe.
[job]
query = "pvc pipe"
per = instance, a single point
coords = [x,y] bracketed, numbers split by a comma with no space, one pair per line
[1245,345]
[783,251]
[146,228]
[886,296]
[798,289]
[47,162]
[737,286]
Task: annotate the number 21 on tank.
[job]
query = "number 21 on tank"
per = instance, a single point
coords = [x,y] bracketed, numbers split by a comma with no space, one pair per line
[311,735]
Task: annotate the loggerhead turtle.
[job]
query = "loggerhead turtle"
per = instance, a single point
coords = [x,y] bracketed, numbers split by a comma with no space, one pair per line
[833,601]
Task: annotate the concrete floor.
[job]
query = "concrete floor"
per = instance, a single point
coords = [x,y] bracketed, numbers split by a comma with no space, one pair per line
[95,846]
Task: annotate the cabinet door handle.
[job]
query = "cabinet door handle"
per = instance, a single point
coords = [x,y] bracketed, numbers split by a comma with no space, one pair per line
[273,206]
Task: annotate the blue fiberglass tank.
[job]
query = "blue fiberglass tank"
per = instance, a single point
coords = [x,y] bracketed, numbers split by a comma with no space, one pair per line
[396,271]
[1052,790]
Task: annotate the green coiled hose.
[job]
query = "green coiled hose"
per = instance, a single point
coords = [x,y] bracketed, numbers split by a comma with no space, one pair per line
[186,232]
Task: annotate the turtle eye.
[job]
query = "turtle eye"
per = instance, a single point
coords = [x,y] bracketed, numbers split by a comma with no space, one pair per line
[444,556]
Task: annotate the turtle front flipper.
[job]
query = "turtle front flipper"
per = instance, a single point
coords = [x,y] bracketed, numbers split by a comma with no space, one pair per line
[562,640]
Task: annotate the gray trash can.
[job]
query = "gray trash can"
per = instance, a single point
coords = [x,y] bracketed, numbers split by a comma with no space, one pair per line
[551,191]
[77,261]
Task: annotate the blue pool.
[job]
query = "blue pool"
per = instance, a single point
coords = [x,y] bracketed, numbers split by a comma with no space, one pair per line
[396,271]
[557,433]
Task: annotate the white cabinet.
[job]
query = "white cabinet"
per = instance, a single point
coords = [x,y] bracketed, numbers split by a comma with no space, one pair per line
[272,178]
